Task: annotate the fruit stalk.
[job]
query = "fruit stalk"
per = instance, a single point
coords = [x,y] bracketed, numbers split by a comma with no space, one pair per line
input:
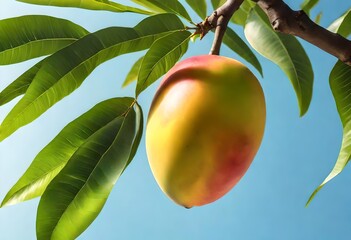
[220,19]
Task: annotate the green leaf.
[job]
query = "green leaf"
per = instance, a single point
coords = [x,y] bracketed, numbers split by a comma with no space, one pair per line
[237,45]
[285,51]
[318,18]
[75,197]
[139,133]
[26,37]
[20,85]
[88,4]
[240,15]
[64,71]
[161,57]
[339,80]
[307,5]
[133,73]
[342,25]
[199,6]
[161,6]
[54,156]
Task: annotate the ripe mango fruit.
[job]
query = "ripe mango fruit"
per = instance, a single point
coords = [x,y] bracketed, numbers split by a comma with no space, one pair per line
[205,125]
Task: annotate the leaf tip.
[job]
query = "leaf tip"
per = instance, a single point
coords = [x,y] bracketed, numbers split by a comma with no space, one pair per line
[313,195]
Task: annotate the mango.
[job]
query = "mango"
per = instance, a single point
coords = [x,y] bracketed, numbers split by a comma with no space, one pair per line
[204,127]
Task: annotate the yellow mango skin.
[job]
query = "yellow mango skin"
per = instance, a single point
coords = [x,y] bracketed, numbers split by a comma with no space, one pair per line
[205,125]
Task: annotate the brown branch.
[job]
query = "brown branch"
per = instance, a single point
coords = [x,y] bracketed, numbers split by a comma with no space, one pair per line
[218,20]
[284,19]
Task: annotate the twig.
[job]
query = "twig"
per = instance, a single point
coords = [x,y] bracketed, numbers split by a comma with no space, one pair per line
[218,20]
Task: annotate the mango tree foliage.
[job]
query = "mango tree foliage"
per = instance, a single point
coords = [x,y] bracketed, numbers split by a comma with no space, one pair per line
[307,5]
[77,170]
[89,4]
[342,25]
[75,197]
[133,72]
[50,161]
[20,85]
[339,79]
[285,51]
[199,6]
[172,6]
[25,37]
[65,70]
[161,57]
[235,43]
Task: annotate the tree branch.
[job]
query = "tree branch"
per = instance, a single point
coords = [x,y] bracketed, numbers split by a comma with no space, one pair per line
[284,19]
[218,20]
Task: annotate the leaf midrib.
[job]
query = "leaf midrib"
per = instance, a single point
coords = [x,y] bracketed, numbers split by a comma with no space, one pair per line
[60,165]
[287,52]
[83,186]
[38,41]
[153,67]
[24,109]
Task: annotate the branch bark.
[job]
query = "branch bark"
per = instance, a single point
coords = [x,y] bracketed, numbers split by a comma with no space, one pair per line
[283,19]
[220,19]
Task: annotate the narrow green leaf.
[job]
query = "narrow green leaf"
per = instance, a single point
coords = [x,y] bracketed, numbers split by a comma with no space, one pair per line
[161,57]
[240,15]
[75,197]
[318,18]
[285,51]
[199,6]
[26,37]
[339,79]
[307,5]
[88,4]
[49,162]
[65,70]
[161,6]
[237,45]
[139,133]
[20,85]
[133,73]
[342,25]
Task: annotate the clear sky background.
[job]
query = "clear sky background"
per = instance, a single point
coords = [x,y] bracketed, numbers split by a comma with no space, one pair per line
[268,203]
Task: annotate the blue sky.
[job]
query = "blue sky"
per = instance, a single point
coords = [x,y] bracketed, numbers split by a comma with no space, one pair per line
[269,202]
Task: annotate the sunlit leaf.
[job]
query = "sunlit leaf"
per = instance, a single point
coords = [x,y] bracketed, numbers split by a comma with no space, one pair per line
[339,79]
[342,25]
[160,6]
[20,85]
[285,51]
[139,132]
[133,73]
[26,37]
[161,57]
[49,162]
[75,197]
[236,44]
[307,5]
[240,15]
[88,4]
[65,70]
[199,6]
